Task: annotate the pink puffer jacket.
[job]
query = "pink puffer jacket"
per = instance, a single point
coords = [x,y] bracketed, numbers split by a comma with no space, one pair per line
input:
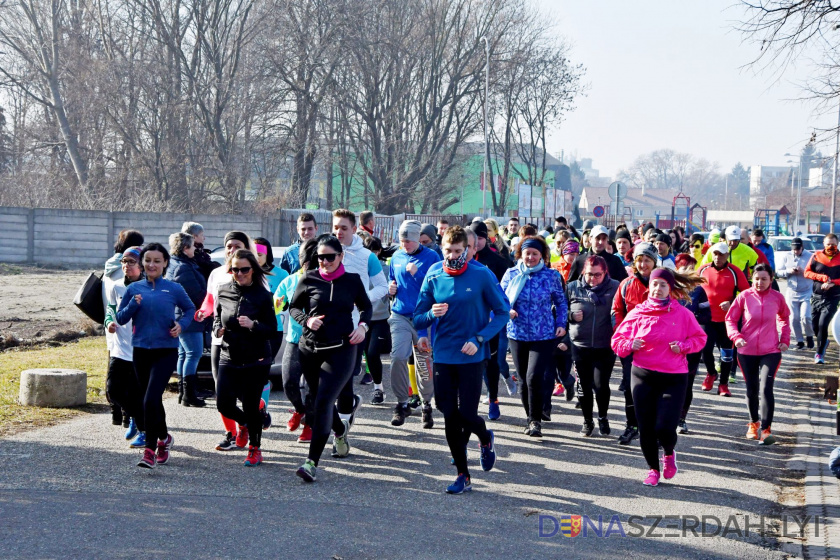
[766,322]
[659,327]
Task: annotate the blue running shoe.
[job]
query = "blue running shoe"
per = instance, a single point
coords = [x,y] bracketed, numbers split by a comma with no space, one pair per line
[139,441]
[462,484]
[488,453]
[493,411]
[132,430]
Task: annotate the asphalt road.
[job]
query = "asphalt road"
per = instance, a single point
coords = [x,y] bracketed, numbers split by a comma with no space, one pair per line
[73,490]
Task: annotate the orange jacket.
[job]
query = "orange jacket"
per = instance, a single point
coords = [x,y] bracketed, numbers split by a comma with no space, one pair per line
[822,269]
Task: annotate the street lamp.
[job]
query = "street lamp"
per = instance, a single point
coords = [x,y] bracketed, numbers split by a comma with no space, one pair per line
[798,193]
[486,135]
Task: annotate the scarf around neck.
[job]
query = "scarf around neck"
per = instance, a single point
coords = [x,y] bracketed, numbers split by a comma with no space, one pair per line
[659,303]
[457,266]
[329,277]
[518,283]
[596,293]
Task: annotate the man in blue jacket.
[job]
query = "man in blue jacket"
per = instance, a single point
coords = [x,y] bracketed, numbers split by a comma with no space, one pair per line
[760,243]
[406,273]
[307,229]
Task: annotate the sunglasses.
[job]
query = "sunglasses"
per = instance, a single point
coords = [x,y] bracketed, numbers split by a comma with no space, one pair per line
[698,245]
[329,257]
[243,270]
[129,262]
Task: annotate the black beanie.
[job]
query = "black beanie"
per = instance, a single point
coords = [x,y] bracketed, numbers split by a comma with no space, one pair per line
[623,234]
[665,238]
[239,236]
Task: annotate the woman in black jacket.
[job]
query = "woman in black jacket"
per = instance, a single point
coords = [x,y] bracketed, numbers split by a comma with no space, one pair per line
[590,326]
[245,322]
[323,305]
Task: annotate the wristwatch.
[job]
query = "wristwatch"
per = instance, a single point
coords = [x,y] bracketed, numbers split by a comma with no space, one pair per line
[365,326]
[479,338]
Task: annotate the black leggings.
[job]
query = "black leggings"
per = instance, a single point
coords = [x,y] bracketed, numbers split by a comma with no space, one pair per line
[693,364]
[716,336]
[659,399]
[457,392]
[822,311]
[123,390]
[347,395]
[291,376]
[493,371]
[625,387]
[531,360]
[246,384]
[154,368]
[327,372]
[377,342]
[594,367]
[759,375]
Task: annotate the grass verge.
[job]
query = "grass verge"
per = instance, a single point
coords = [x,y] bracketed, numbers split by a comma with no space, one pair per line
[87,354]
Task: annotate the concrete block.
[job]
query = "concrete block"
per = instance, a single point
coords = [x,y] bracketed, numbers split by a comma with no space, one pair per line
[53,387]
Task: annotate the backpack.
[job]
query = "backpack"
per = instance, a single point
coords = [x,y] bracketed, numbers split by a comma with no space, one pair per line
[89,298]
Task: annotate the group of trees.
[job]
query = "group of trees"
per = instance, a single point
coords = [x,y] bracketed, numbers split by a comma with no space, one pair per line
[226,104]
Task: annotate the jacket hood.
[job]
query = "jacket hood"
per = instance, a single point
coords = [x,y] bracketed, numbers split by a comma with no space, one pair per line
[355,245]
[113,264]
[650,308]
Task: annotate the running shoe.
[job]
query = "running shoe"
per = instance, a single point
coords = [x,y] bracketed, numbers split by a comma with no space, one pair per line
[752,430]
[723,390]
[818,359]
[682,427]
[766,438]
[307,471]
[709,382]
[669,466]
[139,441]
[305,434]
[535,429]
[228,443]
[800,345]
[254,457]
[401,412]
[630,433]
[810,340]
[132,430]
[367,379]
[733,378]
[341,445]
[148,461]
[357,400]
[461,485]
[378,397]
[163,447]
[493,411]
[294,420]
[652,478]
[428,421]
[511,385]
[558,390]
[588,427]
[414,401]
[266,418]
[488,453]
[485,400]
[242,437]
[604,426]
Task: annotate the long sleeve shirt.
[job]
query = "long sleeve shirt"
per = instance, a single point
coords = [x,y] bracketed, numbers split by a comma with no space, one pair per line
[153,317]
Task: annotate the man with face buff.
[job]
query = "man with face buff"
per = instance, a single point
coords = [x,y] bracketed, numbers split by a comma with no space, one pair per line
[824,270]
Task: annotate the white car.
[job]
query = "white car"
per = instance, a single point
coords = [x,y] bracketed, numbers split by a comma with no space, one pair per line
[781,245]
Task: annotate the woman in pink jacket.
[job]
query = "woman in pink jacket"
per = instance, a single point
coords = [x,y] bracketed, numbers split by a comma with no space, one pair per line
[660,333]
[765,334]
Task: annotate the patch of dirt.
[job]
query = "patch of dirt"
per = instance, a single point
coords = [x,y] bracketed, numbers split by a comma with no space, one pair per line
[36,307]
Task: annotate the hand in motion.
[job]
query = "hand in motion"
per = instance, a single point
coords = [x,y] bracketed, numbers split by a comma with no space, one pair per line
[469,349]
[175,331]
[440,309]
[245,322]
[392,288]
[675,347]
[200,316]
[560,332]
[423,344]
[411,268]
[139,299]
[513,314]
[220,333]
[741,343]
[562,347]
[112,328]
[358,335]
[577,316]
[314,323]
[726,305]
[638,344]
[783,347]
[827,286]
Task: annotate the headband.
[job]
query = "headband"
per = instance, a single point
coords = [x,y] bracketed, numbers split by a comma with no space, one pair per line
[262,249]
[532,244]
[238,236]
[570,247]
[664,274]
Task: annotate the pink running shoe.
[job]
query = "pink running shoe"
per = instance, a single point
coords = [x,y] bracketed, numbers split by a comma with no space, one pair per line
[163,447]
[669,466]
[558,389]
[652,478]
[148,461]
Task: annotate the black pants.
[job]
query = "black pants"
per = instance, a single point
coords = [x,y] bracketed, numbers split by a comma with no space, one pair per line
[377,342]
[457,392]
[693,364]
[243,382]
[625,387]
[493,371]
[822,311]
[716,336]
[291,376]
[153,368]
[345,397]
[276,341]
[659,400]
[594,367]
[531,360]
[327,373]
[759,375]
[123,390]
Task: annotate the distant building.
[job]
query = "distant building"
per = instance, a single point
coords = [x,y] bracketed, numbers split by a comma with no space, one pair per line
[765,179]
[640,205]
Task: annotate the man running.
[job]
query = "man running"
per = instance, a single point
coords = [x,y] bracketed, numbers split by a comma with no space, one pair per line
[599,237]
[307,229]
[798,294]
[824,270]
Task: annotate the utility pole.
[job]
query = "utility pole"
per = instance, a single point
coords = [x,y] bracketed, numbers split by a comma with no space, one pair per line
[834,182]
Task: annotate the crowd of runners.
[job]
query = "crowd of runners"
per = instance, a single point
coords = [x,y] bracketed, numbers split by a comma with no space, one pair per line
[448,304]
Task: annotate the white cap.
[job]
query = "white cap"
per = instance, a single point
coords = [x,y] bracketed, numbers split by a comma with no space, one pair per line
[599,230]
[733,233]
[721,247]
[714,231]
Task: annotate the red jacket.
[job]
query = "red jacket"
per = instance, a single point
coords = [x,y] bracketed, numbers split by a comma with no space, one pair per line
[658,327]
[765,322]
[822,269]
[631,292]
[722,286]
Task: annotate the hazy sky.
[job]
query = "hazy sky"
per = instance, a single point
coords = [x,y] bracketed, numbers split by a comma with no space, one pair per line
[666,74]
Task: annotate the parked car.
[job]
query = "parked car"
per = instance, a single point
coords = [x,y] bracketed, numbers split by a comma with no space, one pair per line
[781,245]
[817,238]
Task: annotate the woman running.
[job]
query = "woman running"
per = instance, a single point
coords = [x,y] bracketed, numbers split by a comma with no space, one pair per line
[590,323]
[323,303]
[699,305]
[151,304]
[245,322]
[569,252]
[532,289]
[461,346]
[659,333]
[763,336]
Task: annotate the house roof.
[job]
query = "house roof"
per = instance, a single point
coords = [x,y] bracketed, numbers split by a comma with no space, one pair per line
[635,199]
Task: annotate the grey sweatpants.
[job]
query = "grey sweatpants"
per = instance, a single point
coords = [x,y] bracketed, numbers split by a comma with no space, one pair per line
[403,339]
